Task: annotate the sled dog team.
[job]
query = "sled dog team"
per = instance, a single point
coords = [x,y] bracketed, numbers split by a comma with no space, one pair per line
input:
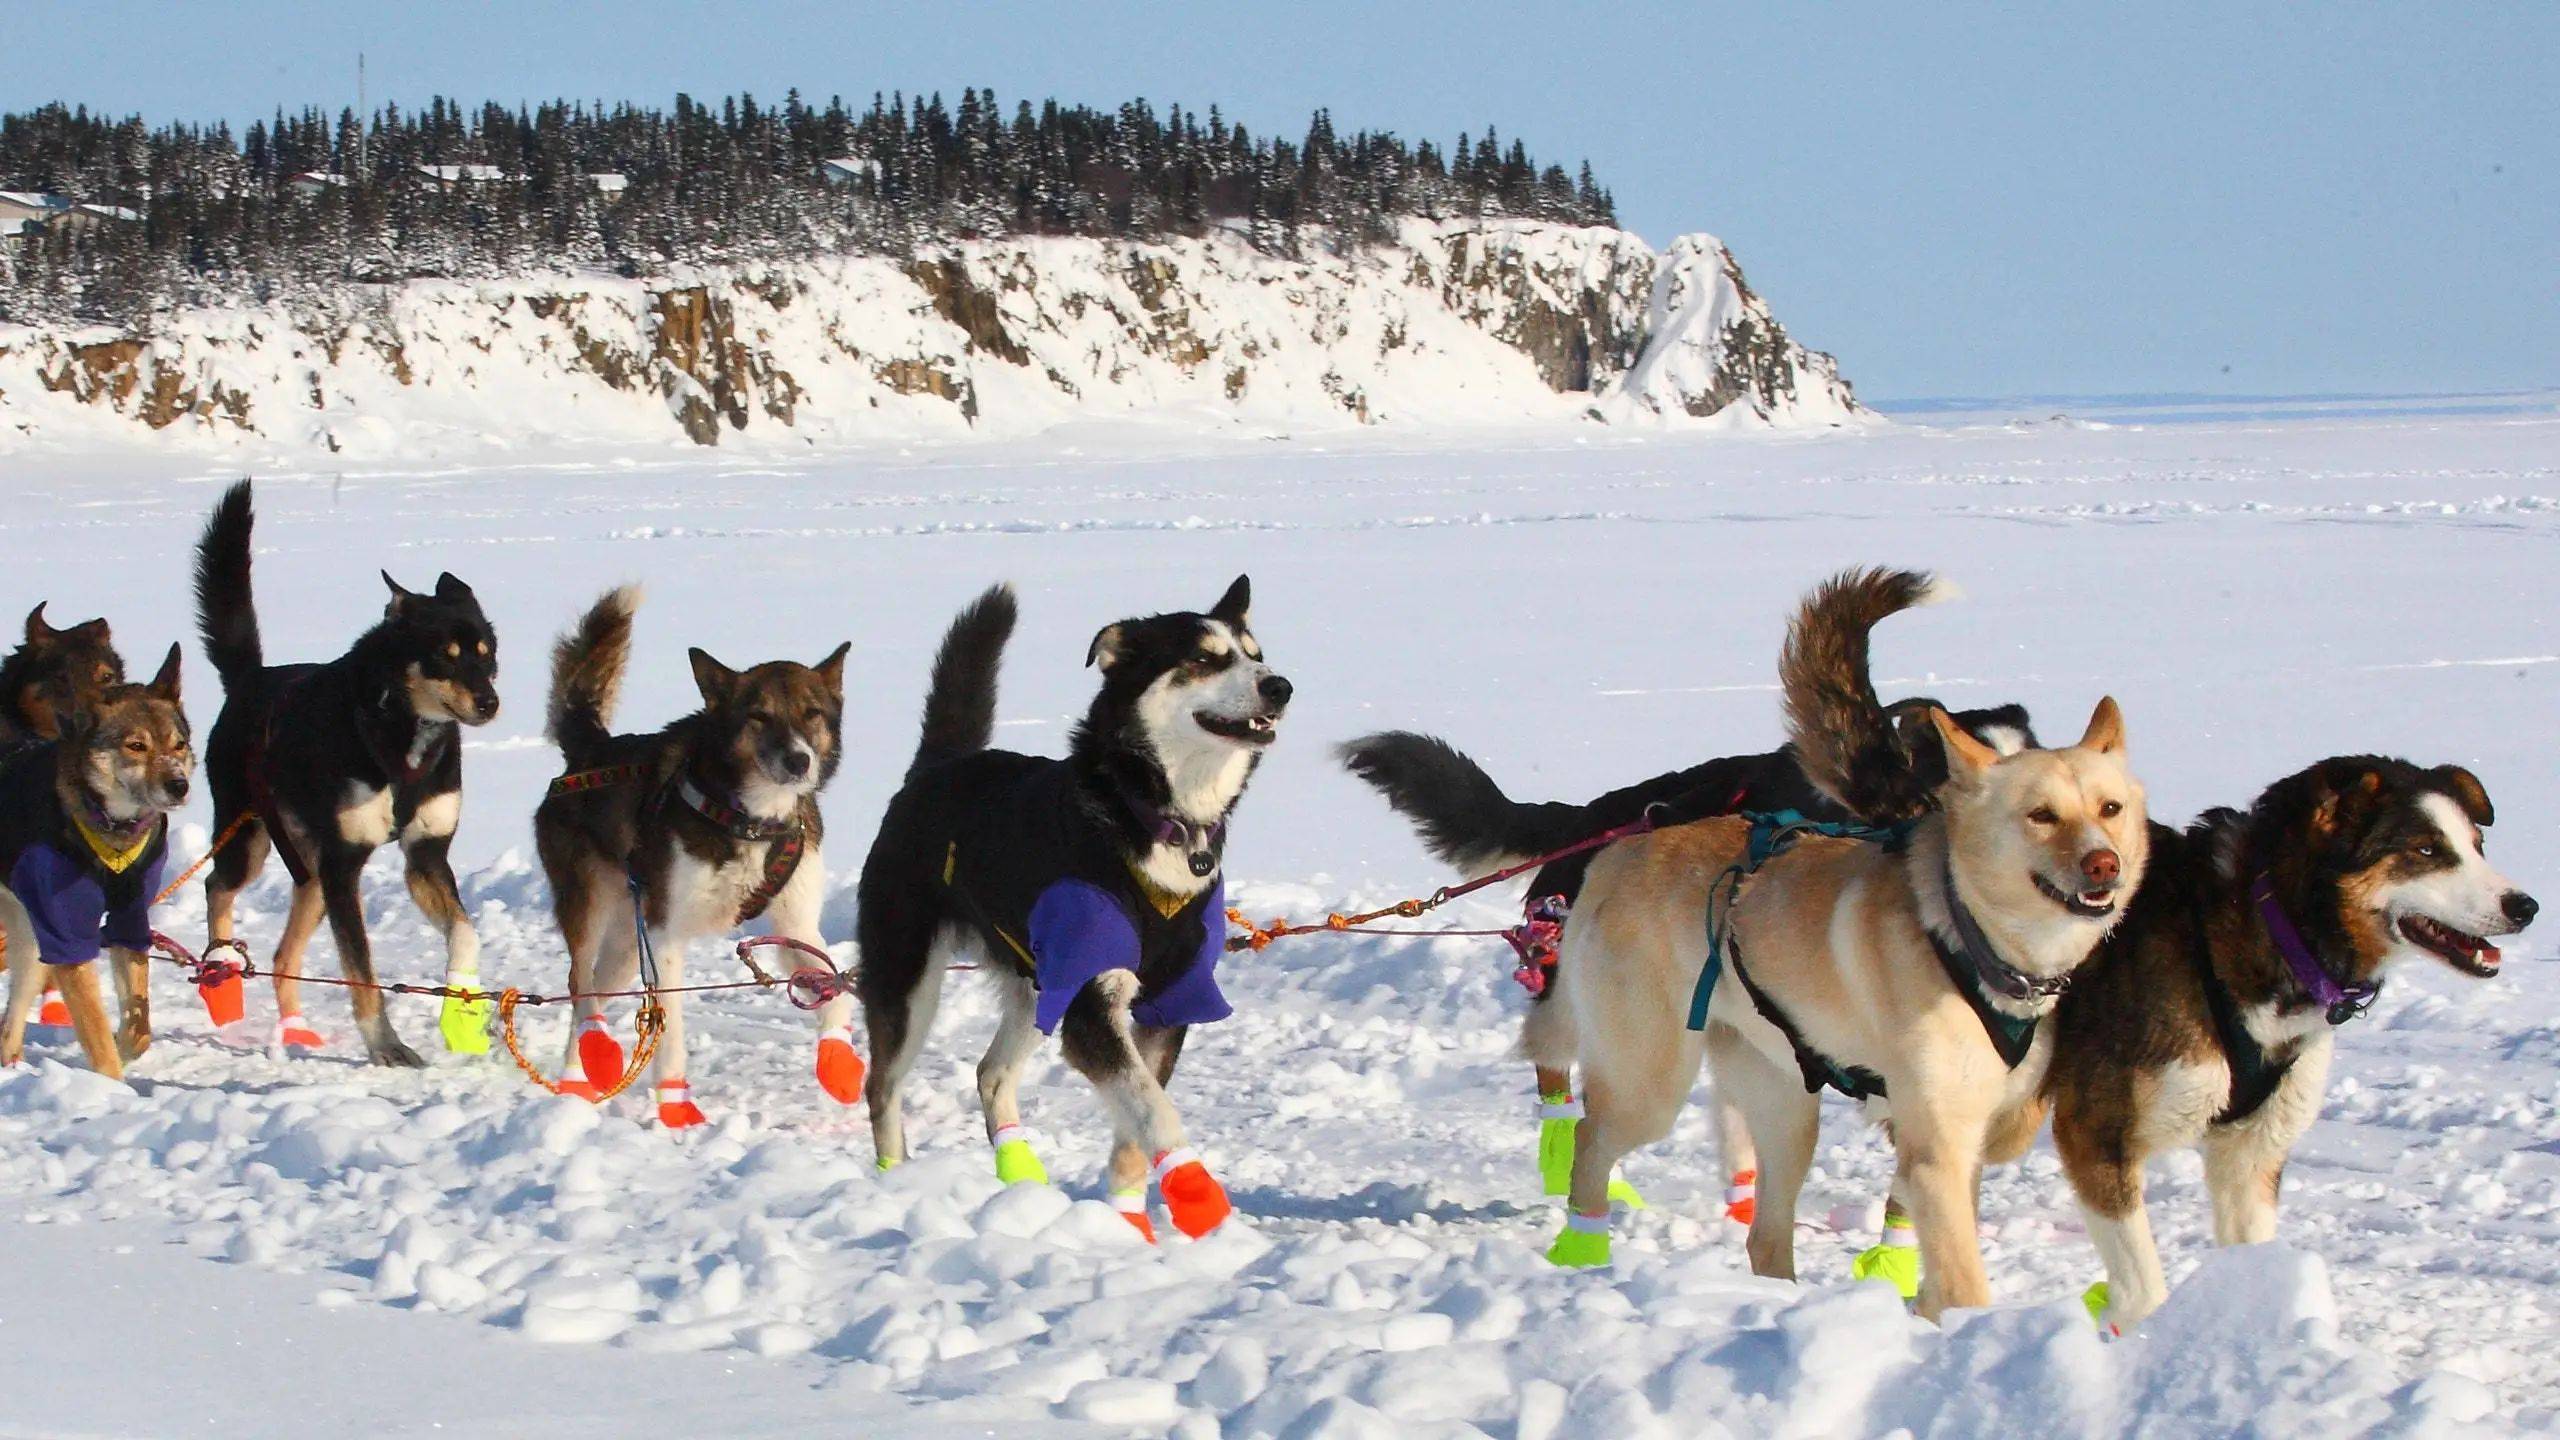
[1927,911]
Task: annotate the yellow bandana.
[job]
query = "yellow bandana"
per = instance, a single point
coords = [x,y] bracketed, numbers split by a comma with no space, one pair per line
[117,859]
[1167,903]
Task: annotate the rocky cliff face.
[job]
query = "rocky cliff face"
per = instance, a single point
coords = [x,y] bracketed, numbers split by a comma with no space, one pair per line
[1454,323]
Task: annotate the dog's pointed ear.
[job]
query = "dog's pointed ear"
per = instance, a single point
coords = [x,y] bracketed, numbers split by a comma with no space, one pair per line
[165,684]
[2467,792]
[448,588]
[1234,606]
[401,595]
[715,680]
[90,630]
[37,630]
[2106,728]
[2346,791]
[1966,756]
[1109,644]
[831,669]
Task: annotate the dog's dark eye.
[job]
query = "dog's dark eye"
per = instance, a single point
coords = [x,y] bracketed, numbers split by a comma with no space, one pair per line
[1202,665]
[2043,815]
[2428,851]
[2111,809]
[137,747]
[105,675]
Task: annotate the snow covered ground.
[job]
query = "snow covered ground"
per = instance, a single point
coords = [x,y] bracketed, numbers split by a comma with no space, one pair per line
[241,1242]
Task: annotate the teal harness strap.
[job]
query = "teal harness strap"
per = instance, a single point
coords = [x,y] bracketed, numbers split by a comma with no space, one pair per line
[1773,833]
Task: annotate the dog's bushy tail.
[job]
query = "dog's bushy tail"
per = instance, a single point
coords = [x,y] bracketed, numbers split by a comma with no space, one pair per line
[1462,815]
[1843,736]
[225,614]
[586,674]
[960,708]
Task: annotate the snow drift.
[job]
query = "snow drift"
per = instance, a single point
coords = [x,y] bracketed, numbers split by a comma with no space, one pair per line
[1451,323]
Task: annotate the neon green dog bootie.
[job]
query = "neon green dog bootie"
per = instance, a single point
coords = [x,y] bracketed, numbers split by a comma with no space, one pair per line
[1557,1117]
[1583,1243]
[2095,1297]
[464,1019]
[1016,1162]
[1895,1260]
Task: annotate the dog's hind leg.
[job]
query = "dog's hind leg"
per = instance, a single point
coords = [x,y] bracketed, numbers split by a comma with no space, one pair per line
[1782,1122]
[1741,1161]
[301,922]
[27,977]
[1547,1038]
[593,925]
[1100,1041]
[900,988]
[1000,1084]
[463,1019]
[340,870]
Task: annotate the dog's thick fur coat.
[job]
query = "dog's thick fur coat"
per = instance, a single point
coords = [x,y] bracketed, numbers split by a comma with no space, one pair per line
[763,745]
[341,758]
[1841,936]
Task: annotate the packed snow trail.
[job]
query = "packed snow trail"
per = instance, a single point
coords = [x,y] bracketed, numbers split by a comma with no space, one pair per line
[1384,1276]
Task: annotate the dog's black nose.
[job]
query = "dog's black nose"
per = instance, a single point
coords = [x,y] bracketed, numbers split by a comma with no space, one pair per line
[178,792]
[796,763]
[2520,908]
[1276,690]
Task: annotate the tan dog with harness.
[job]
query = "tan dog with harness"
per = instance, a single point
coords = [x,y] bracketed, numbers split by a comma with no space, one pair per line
[1912,973]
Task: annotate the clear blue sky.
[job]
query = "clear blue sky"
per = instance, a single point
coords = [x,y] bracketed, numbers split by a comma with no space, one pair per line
[2083,198]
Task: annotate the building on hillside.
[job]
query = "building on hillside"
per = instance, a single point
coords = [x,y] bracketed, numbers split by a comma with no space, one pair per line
[848,170]
[312,184]
[453,177]
[23,212]
[609,183]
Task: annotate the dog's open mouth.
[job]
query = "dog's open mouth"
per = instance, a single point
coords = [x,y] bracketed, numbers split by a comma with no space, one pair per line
[1242,729]
[2087,904]
[2467,953]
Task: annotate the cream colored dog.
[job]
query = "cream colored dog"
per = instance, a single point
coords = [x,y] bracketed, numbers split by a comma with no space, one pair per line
[1913,972]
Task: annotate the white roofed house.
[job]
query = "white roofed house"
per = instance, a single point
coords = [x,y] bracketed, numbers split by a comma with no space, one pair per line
[455,176]
[848,170]
[609,183]
[85,216]
[23,212]
[312,184]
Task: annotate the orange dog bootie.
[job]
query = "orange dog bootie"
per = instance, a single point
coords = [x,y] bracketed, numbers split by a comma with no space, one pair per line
[676,1109]
[839,1066]
[1193,1198]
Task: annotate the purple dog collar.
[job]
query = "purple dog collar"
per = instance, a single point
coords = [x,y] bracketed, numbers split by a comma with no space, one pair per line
[2343,1002]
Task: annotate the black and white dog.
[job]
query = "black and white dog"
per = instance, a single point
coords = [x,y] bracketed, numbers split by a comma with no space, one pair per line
[335,761]
[1090,885]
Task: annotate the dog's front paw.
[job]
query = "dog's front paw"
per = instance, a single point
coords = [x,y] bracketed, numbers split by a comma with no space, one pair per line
[676,1109]
[464,1019]
[1193,1198]
[599,1055]
[1016,1162]
[132,1040]
[390,1050]
[1583,1244]
[839,1067]
[295,1033]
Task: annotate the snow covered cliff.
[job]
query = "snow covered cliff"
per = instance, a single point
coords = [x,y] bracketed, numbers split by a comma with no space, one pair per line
[1453,323]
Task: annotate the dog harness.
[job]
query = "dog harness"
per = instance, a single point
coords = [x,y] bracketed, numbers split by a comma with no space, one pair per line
[788,839]
[1972,964]
[2255,1074]
[85,886]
